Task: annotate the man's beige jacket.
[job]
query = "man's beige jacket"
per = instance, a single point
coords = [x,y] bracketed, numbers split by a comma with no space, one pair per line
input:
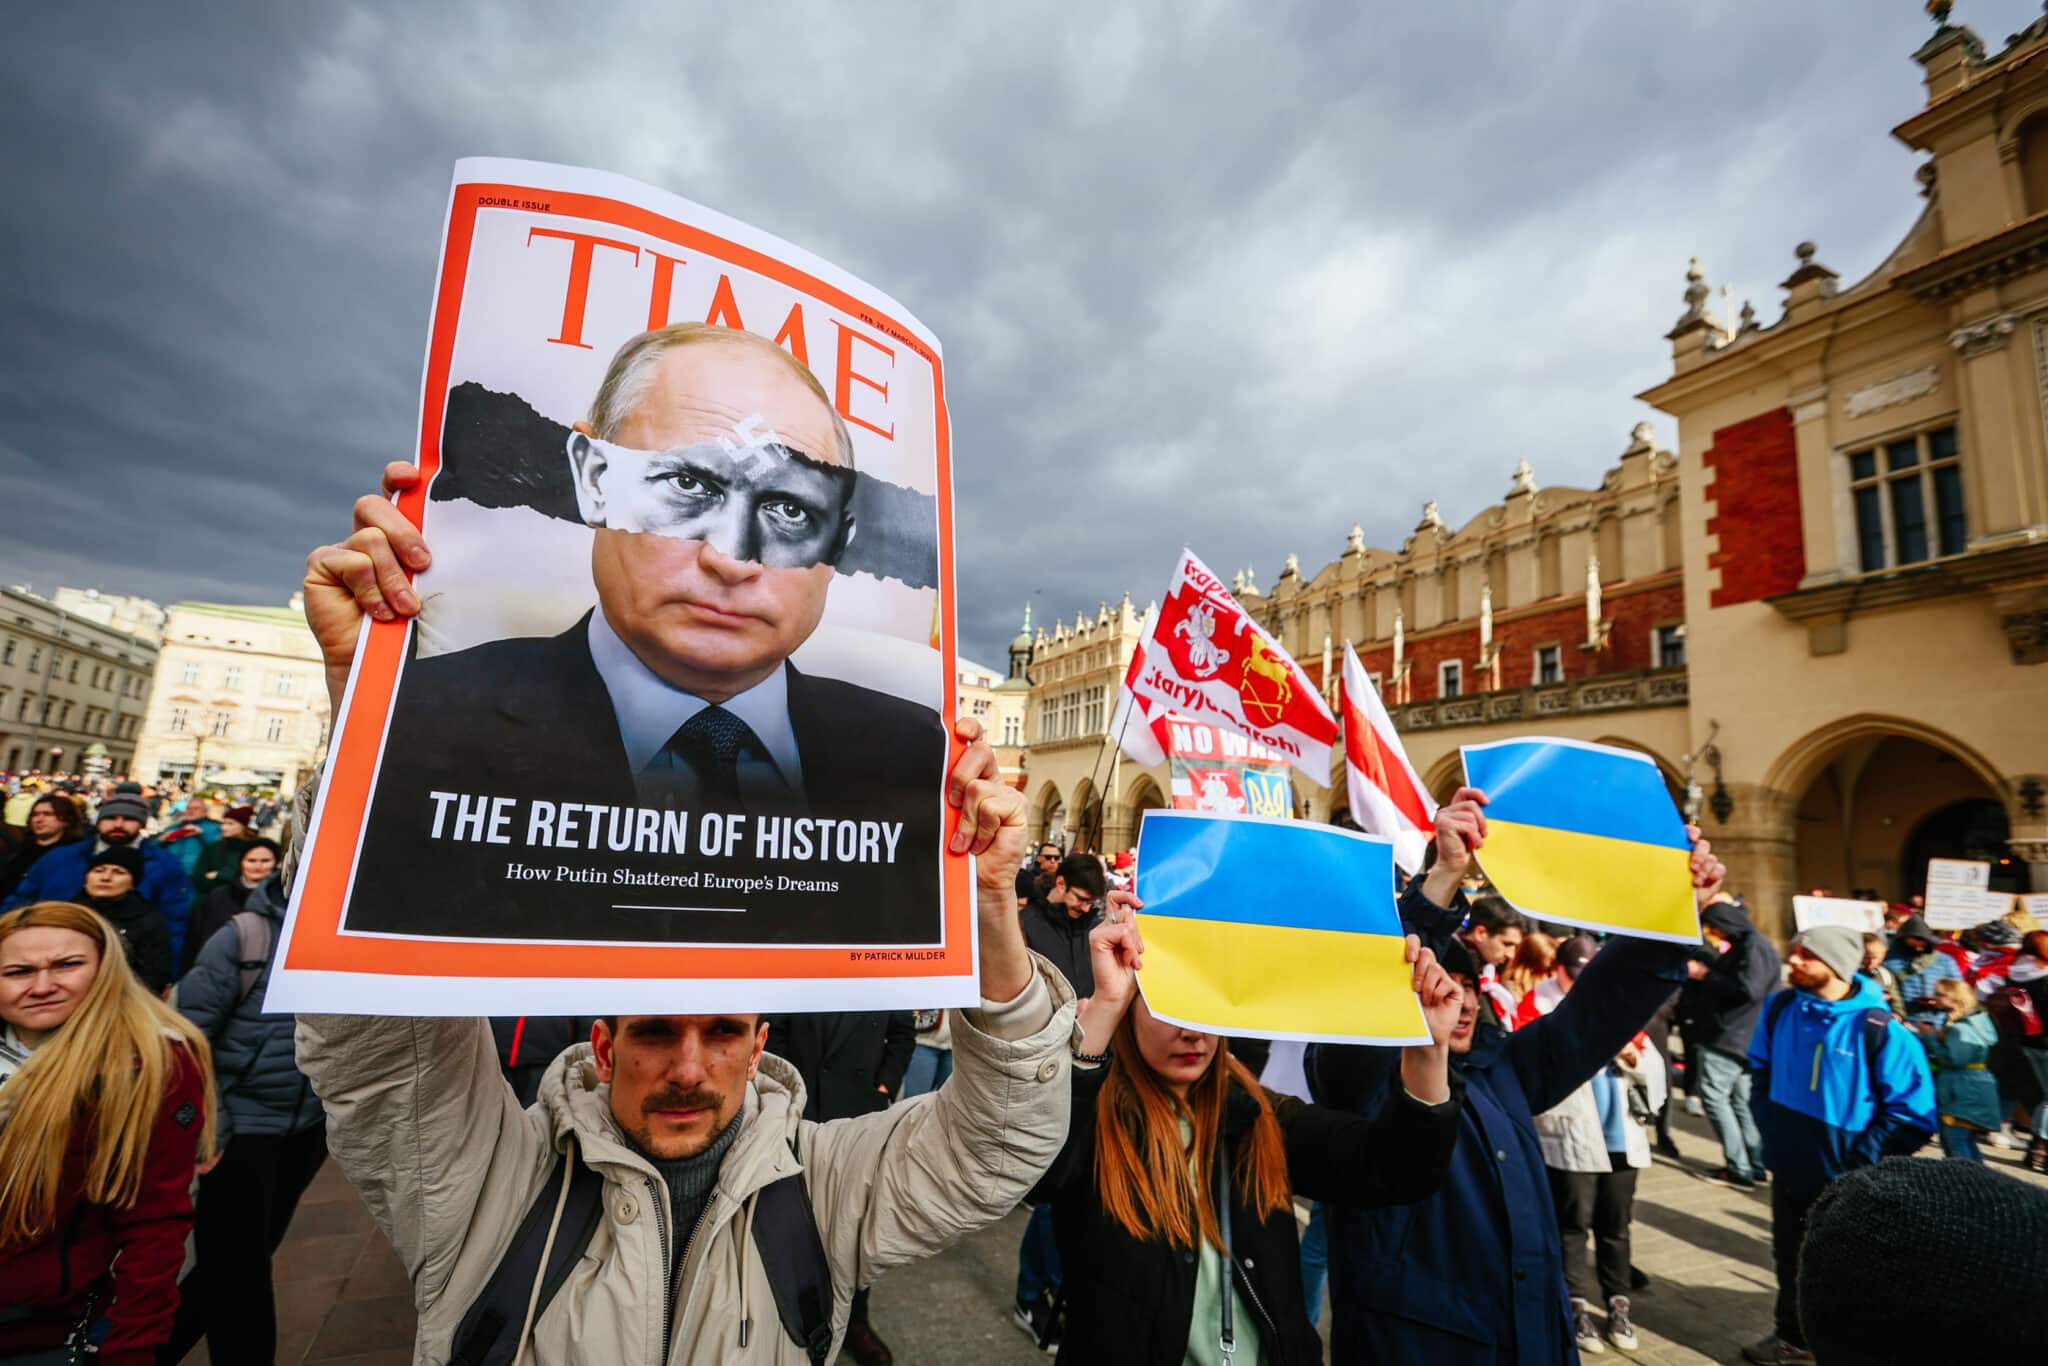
[426,1127]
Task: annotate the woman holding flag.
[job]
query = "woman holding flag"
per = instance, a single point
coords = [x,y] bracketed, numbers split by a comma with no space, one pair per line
[1173,1198]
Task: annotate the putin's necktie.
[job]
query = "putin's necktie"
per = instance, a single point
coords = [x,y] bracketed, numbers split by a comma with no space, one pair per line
[709,746]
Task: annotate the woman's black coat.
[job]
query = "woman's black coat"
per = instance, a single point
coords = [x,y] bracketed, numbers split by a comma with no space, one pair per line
[1129,1301]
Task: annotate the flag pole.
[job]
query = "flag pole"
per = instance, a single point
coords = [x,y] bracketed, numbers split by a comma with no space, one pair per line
[1118,742]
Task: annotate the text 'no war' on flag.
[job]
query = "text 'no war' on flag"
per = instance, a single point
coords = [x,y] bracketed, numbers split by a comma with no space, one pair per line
[1277,929]
[1585,834]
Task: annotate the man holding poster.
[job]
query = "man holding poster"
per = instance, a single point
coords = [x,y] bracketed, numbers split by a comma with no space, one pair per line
[683,1121]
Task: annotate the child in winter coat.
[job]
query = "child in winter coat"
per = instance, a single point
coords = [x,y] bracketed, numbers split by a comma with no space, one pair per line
[1959,1048]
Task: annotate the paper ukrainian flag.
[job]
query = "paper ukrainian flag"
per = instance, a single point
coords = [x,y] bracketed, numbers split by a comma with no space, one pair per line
[1585,834]
[1277,929]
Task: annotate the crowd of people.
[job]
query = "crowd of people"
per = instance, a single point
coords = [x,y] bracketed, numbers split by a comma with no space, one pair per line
[726,1187]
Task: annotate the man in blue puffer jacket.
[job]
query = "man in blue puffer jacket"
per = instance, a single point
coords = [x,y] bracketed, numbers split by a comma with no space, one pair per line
[59,874]
[1837,1084]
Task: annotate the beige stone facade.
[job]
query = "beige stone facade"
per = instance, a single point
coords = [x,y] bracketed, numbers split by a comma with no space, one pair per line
[240,696]
[72,689]
[1825,615]
[981,693]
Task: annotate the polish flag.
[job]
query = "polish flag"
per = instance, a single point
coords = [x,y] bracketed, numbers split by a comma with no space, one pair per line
[1139,725]
[1386,797]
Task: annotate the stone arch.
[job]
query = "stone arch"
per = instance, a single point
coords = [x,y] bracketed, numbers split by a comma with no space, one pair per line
[1853,795]
[1444,777]
[1084,816]
[1144,794]
[1047,814]
[1794,770]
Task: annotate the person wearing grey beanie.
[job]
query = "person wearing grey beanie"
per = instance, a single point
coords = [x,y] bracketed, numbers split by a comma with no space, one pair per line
[1965,1238]
[1854,1088]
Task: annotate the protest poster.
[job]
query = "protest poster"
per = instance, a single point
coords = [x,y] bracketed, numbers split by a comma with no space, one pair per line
[1587,835]
[1322,961]
[1957,894]
[2035,904]
[1214,769]
[1811,912]
[676,707]
[1206,658]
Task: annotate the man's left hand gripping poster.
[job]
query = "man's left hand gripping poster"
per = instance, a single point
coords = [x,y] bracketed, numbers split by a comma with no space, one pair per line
[670,732]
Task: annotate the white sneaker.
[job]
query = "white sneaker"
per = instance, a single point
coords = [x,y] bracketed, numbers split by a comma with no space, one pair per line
[1589,1339]
[1693,1106]
[2004,1139]
[1620,1330]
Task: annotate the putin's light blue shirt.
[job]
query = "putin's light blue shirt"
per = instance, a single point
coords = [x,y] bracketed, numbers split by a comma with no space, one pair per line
[650,711]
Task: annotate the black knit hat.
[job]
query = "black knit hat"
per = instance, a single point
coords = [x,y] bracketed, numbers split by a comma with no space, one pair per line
[121,856]
[1972,1244]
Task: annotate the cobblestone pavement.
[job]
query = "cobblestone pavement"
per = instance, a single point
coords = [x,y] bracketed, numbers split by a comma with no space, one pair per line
[343,1297]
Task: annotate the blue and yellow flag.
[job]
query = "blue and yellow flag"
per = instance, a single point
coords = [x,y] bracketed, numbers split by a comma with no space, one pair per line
[1273,928]
[1587,835]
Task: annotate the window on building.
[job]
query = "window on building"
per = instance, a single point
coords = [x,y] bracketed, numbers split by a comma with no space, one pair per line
[26,701]
[273,728]
[1549,664]
[189,675]
[1908,496]
[181,720]
[7,651]
[72,676]
[35,658]
[1669,648]
[232,679]
[1093,721]
[221,721]
[1013,731]
[1378,684]
[1450,678]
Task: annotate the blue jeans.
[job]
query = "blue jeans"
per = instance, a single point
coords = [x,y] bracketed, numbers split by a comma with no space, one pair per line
[928,1070]
[1315,1263]
[1038,1258]
[1724,1091]
[1960,1141]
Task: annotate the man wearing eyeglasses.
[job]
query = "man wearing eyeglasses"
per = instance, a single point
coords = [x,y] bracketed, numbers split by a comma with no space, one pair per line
[718,481]
[1057,923]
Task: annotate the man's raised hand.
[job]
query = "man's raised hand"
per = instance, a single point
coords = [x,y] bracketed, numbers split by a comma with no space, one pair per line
[367,574]
[1460,829]
[1708,872]
[991,825]
[1437,990]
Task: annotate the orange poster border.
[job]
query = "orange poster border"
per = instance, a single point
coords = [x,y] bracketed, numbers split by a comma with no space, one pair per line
[317,943]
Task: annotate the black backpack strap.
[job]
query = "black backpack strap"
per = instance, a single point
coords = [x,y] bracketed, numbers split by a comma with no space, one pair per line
[489,1332]
[785,1230]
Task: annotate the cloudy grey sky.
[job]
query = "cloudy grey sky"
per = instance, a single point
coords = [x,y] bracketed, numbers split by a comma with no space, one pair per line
[1226,275]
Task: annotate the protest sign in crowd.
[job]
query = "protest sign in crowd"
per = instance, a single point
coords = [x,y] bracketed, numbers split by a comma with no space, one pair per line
[664,962]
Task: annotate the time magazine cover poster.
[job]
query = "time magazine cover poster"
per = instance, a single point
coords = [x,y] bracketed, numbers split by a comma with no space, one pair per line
[671,728]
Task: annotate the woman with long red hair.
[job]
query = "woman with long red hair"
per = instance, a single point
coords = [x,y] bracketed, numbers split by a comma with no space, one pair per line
[1173,1200]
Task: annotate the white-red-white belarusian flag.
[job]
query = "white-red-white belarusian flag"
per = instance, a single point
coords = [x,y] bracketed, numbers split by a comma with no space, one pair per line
[1207,659]
[1386,796]
[1139,726]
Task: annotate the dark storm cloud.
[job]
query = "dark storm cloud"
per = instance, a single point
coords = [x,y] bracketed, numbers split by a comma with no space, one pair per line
[1228,276]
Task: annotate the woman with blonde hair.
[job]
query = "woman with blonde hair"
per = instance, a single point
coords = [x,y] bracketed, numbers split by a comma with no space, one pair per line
[1959,1048]
[106,1107]
[1173,1199]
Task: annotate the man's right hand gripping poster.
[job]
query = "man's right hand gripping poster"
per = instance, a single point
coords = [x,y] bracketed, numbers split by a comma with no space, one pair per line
[670,730]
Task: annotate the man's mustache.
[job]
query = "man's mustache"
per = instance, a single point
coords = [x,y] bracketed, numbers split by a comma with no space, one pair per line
[676,1098]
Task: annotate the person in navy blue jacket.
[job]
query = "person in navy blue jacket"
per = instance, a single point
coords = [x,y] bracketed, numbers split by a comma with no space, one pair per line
[59,874]
[1474,1275]
[1836,1084]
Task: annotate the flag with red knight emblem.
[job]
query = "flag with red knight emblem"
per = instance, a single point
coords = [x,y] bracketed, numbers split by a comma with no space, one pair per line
[1207,659]
[1386,796]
